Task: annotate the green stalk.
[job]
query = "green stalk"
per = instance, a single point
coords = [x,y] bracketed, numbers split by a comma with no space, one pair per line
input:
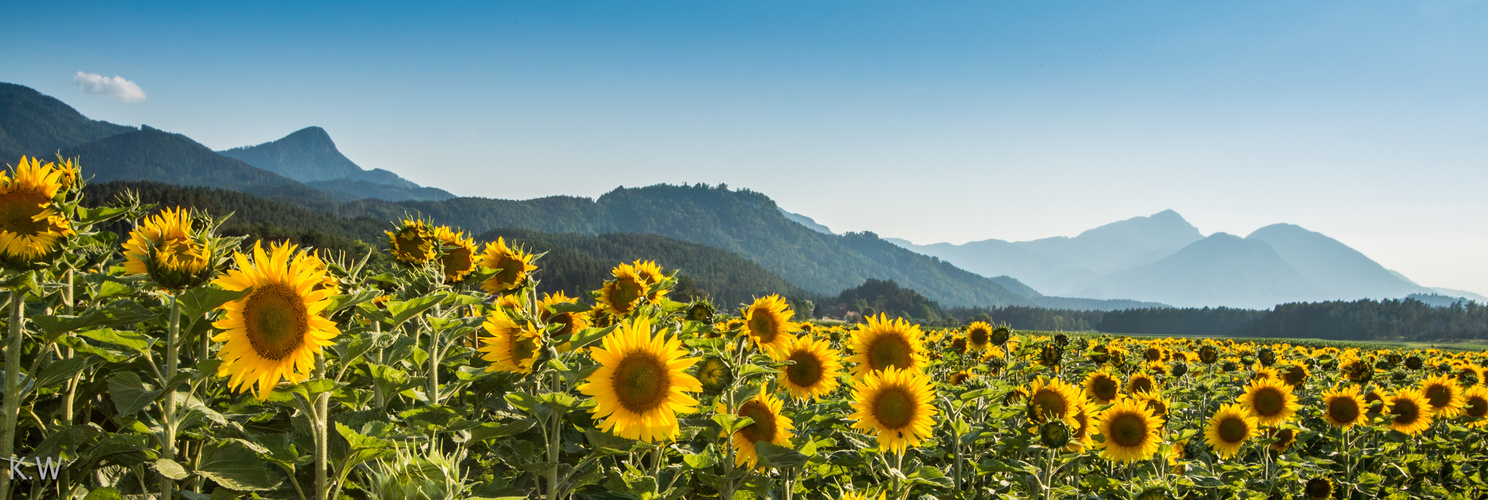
[12,384]
[168,438]
[322,437]
[553,447]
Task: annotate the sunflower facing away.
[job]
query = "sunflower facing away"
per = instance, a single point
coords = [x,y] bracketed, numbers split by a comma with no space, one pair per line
[1408,412]
[30,225]
[1270,400]
[769,426]
[413,243]
[510,265]
[641,383]
[1053,400]
[1131,432]
[166,247]
[883,343]
[275,331]
[814,373]
[1343,407]
[896,405]
[767,322]
[624,292]
[1102,387]
[1229,428]
[1443,395]
[458,259]
[513,343]
[978,335]
[568,323]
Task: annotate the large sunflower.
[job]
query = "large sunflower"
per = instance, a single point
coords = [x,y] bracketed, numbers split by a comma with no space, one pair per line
[458,259]
[1409,411]
[767,322]
[511,265]
[166,247]
[513,343]
[1343,407]
[897,405]
[641,383]
[1229,428]
[883,343]
[1131,432]
[1476,406]
[30,224]
[1443,395]
[569,322]
[413,243]
[1140,382]
[815,368]
[628,289]
[275,331]
[1053,400]
[978,335]
[769,426]
[1102,387]
[1270,400]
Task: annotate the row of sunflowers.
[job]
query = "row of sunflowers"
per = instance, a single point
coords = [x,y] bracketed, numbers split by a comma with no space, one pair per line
[165,360]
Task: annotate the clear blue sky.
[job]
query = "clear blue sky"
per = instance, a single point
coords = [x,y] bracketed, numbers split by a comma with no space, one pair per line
[930,121]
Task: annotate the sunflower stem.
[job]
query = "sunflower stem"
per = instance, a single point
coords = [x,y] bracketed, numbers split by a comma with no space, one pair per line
[322,439]
[553,445]
[168,436]
[12,383]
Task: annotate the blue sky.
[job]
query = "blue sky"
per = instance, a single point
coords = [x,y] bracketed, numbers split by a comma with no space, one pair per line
[931,121]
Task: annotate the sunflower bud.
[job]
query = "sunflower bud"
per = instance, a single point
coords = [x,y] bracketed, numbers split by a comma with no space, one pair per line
[413,243]
[1414,362]
[700,311]
[715,375]
[1208,354]
[1054,434]
[1001,335]
[172,250]
[1179,369]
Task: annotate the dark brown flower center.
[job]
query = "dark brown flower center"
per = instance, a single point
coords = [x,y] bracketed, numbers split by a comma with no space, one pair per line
[890,350]
[1128,429]
[806,372]
[641,382]
[763,428]
[276,320]
[894,408]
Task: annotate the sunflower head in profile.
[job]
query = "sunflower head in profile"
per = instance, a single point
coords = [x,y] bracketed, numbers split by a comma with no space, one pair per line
[564,318]
[1157,404]
[978,335]
[1139,383]
[275,331]
[511,265]
[1343,407]
[31,224]
[1130,430]
[898,406]
[171,250]
[513,344]
[882,343]
[413,243]
[641,383]
[767,322]
[959,378]
[457,259]
[1270,400]
[626,290]
[1053,400]
[1476,406]
[1318,488]
[769,426]
[1084,424]
[1443,395]
[1376,403]
[813,370]
[1229,428]
[1282,438]
[1408,412]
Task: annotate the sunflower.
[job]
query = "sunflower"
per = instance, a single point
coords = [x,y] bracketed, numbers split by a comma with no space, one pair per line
[569,322]
[1443,395]
[512,265]
[959,378]
[1131,432]
[1343,407]
[769,426]
[1229,428]
[1319,488]
[69,174]
[513,344]
[1158,404]
[1294,375]
[978,335]
[897,405]
[1476,406]
[413,243]
[1139,383]
[1081,438]
[767,322]
[1284,437]
[1270,400]
[714,374]
[166,247]
[1409,411]
[1053,400]
[1375,401]
[627,290]
[651,274]
[640,384]
[883,343]
[275,331]
[458,259]
[30,224]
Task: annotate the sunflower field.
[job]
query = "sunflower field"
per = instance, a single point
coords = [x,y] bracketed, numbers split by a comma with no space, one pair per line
[147,356]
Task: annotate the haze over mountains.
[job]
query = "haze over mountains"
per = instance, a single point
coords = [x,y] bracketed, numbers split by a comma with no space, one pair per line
[1163,258]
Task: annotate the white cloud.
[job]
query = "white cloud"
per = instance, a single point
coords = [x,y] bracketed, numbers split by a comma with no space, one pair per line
[116,87]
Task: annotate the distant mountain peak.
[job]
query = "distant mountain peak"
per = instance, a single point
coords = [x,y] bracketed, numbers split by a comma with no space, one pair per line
[309,155]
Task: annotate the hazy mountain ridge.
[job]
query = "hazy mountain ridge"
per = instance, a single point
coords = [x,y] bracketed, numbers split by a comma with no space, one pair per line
[310,156]
[35,124]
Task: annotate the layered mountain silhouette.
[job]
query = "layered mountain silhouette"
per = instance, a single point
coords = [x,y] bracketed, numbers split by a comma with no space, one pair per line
[1163,258]
[310,156]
